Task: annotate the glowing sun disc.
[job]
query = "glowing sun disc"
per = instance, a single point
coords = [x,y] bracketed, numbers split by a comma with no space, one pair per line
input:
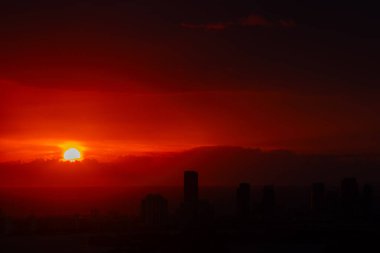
[72,154]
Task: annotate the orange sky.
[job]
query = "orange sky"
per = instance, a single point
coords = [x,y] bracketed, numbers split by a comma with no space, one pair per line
[40,122]
[147,76]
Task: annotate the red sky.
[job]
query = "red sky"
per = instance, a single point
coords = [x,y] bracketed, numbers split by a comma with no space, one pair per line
[127,77]
[39,122]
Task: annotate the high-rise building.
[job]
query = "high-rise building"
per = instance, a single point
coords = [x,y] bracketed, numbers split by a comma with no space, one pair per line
[205,212]
[318,198]
[190,207]
[190,187]
[349,196]
[350,190]
[332,202]
[154,210]
[268,202]
[367,200]
[243,200]
[2,222]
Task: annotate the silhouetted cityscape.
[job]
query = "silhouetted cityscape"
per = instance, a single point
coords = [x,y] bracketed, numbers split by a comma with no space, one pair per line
[226,126]
[335,220]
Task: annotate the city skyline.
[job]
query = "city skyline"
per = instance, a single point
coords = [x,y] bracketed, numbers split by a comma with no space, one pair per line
[188,126]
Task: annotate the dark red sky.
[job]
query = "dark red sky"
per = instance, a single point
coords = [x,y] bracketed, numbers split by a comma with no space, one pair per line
[117,77]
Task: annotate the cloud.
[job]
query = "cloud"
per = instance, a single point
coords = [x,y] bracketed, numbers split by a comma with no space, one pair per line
[216,166]
[250,20]
[209,26]
[257,20]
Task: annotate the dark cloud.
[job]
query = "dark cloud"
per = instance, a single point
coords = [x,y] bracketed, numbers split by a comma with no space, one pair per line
[160,46]
[210,26]
[257,20]
[253,20]
[216,165]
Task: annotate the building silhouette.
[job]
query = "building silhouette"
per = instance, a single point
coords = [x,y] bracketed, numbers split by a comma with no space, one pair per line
[332,202]
[2,222]
[154,210]
[205,212]
[349,196]
[268,202]
[243,200]
[189,209]
[367,200]
[318,198]
[190,186]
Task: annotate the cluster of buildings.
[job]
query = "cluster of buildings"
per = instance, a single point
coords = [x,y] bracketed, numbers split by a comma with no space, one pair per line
[351,203]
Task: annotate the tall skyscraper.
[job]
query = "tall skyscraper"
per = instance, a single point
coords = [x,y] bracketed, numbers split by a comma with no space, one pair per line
[332,202]
[268,202]
[318,200]
[190,186]
[350,190]
[350,196]
[189,210]
[243,200]
[154,210]
[367,200]
[2,222]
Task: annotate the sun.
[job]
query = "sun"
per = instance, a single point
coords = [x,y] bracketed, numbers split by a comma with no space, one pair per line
[72,155]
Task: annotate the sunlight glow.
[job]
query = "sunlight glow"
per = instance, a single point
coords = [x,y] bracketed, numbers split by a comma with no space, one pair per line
[72,155]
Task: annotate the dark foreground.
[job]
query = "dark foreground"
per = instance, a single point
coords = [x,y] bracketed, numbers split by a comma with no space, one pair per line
[222,236]
[345,220]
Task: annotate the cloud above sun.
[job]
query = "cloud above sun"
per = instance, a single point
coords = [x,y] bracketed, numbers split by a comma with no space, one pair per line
[252,20]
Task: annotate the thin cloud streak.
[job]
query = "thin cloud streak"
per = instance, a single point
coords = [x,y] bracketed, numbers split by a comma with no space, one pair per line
[253,20]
